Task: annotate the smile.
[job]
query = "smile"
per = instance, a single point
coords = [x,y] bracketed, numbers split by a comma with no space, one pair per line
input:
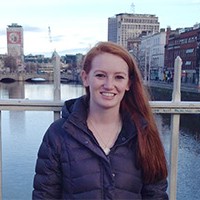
[107,94]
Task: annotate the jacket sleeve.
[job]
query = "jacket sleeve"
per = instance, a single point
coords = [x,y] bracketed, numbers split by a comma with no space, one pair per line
[157,191]
[48,180]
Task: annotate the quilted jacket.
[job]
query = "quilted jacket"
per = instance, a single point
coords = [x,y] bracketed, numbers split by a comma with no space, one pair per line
[71,164]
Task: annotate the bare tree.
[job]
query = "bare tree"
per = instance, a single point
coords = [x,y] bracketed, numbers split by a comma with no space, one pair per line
[10,62]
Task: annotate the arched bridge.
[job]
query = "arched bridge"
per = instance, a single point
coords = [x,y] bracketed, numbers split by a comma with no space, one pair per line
[25,76]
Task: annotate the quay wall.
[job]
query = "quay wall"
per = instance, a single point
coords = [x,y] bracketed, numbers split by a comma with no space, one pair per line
[165,94]
[188,122]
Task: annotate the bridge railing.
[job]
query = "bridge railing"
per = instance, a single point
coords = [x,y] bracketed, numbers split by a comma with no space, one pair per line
[174,107]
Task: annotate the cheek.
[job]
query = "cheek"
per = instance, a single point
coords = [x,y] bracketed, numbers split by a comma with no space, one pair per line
[122,89]
[86,81]
[92,84]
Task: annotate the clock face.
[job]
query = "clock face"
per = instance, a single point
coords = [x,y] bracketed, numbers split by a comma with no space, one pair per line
[13,37]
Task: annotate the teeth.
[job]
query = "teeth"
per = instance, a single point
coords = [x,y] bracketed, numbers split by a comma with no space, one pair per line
[108,94]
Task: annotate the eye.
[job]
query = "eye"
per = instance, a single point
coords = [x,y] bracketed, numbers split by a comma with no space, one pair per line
[119,77]
[100,75]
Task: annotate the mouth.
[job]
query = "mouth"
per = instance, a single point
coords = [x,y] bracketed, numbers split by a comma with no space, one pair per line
[108,94]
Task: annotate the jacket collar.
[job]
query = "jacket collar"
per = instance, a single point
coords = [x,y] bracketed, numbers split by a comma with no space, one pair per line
[76,111]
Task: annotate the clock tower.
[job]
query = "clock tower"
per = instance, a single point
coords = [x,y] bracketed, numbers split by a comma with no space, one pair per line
[15,42]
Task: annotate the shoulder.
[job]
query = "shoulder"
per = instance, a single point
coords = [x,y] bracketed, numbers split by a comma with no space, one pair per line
[74,106]
[59,130]
[53,137]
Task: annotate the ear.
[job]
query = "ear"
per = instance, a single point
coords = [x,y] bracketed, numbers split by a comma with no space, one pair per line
[128,85]
[84,77]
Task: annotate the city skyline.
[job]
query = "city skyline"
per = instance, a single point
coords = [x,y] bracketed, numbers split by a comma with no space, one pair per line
[73,27]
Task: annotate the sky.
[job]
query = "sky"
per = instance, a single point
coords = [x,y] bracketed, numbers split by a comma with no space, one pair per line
[76,25]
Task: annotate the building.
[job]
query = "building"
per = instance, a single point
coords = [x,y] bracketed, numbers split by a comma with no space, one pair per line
[125,27]
[112,29]
[151,56]
[15,42]
[158,55]
[185,43]
[36,58]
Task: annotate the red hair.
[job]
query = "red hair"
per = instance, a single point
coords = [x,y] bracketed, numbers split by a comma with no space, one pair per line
[150,155]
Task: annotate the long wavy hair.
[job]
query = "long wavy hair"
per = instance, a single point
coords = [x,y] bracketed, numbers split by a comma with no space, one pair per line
[150,154]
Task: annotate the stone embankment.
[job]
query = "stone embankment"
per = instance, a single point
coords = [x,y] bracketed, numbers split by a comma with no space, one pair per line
[161,91]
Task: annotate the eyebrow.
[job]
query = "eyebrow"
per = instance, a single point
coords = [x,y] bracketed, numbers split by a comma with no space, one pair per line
[98,70]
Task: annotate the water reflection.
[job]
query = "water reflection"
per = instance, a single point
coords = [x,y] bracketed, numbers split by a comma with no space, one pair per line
[188,179]
[12,90]
[22,132]
[189,123]
[44,91]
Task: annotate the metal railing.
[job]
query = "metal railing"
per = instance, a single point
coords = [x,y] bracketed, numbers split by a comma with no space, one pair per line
[174,107]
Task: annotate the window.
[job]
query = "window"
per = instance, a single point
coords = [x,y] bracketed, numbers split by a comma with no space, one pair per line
[188,62]
[189,51]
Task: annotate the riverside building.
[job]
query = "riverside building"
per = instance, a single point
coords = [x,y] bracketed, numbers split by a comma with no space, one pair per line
[184,42]
[152,54]
[15,42]
[125,27]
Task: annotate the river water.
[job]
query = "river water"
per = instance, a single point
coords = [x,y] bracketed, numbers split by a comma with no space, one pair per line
[22,132]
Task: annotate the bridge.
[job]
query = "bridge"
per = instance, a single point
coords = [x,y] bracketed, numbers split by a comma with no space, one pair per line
[24,76]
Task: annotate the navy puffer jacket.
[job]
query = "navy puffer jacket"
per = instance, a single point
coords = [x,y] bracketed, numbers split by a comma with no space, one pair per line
[71,164]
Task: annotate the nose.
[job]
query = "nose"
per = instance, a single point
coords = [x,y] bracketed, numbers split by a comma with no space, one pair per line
[109,83]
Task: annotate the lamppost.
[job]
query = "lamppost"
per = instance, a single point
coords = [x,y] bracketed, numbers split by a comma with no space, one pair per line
[199,76]
[149,69]
[198,60]
[145,67]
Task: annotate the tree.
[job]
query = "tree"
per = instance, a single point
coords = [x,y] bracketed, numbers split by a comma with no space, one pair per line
[10,62]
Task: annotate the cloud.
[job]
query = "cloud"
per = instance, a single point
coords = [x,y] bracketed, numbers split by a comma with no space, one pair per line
[28,28]
[73,51]
[194,2]
[57,38]
[62,52]
[2,32]
[187,2]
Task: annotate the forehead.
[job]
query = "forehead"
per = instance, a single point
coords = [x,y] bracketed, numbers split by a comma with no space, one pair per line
[106,61]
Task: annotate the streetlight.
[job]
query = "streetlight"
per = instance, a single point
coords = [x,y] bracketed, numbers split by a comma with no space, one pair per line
[145,67]
[199,76]
[149,69]
[198,60]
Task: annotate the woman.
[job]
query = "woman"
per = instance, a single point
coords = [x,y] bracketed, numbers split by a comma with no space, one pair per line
[106,145]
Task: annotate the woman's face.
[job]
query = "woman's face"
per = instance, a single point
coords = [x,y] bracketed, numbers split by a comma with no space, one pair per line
[107,80]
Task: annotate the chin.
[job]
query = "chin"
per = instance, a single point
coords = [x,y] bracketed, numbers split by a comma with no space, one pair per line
[108,105]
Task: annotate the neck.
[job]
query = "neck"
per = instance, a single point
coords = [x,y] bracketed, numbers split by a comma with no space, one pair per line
[105,127]
[105,117]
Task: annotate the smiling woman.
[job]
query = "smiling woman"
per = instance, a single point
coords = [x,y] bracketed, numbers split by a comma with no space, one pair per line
[82,155]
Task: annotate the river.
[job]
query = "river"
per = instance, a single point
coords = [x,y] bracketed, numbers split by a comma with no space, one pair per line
[22,132]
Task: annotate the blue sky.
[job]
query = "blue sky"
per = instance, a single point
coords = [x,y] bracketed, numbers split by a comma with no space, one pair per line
[76,25]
